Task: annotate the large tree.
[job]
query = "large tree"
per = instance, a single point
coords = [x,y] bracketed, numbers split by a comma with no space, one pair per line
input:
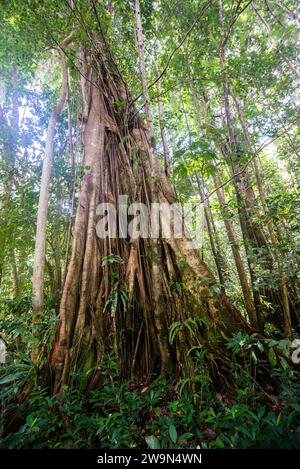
[119,293]
[152,301]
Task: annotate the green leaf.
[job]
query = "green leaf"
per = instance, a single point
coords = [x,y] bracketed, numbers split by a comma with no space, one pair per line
[219,443]
[283,363]
[261,411]
[152,442]
[173,331]
[13,377]
[173,433]
[272,357]
[184,437]
[195,347]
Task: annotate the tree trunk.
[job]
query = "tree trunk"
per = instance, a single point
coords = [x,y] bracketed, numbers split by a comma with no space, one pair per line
[141,54]
[253,235]
[234,244]
[218,258]
[214,244]
[15,273]
[129,303]
[246,290]
[161,118]
[287,325]
[40,240]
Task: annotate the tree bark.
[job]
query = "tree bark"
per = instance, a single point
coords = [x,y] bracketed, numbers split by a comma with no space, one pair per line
[218,258]
[246,290]
[214,244]
[40,240]
[141,54]
[15,273]
[94,317]
[253,235]
[234,244]
[287,324]
[161,117]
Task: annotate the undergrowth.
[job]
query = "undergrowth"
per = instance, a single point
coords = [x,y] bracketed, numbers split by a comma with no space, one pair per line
[160,415]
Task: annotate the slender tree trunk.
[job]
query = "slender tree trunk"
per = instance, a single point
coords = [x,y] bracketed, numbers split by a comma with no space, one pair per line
[161,117]
[141,54]
[273,237]
[253,235]
[262,20]
[15,123]
[246,290]
[234,244]
[58,272]
[75,158]
[192,89]
[213,241]
[221,255]
[15,273]
[40,240]
[218,258]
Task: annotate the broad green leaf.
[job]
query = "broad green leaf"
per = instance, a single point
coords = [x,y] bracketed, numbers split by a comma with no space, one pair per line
[272,357]
[173,433]
[152,442]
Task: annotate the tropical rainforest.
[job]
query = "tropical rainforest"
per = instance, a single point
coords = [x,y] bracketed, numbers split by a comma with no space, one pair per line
[135,340]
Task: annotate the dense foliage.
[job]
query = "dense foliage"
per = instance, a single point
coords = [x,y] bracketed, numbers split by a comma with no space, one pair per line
[223,84]
[159,415]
